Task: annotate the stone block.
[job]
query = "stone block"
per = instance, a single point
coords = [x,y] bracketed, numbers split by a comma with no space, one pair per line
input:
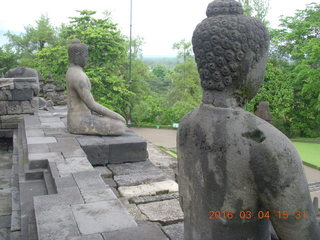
[6,83]
[140,178]
[98,195]
[100,217]
[63,147]
[49,119]
[34,133]
[38,148]
[5,95]
[142,232]
[87,237]
[89,180]
[129,168]
[14,107]
[22,95]
[55,222]
[26,107]
[50,156]
[126,148]
[25,83]
[174,231]
[104,171]
[110,182]
[3,107]
[5,221]
[154,198]
[73,165]
[148,189]
[41,140]
[53,125]
[165,212]
[65,182]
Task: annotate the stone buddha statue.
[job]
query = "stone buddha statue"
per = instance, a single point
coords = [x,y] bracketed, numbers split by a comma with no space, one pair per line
[237,173]
[85,116]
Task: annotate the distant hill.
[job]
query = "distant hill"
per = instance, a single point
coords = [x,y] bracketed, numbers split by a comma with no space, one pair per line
[168,61]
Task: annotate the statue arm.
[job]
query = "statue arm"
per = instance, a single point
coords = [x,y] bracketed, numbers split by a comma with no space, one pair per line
[88,99]
[284,192]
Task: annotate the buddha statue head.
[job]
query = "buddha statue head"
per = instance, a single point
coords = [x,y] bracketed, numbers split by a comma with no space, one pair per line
[231,53]
[78,53]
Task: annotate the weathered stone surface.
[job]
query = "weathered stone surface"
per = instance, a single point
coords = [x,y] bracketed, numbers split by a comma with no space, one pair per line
[14,107]
[104,171]
[85,116]
[154,198]
[22,95]
[129,168]
[5,95]
[40,140]
[53,125]
[6,83]
[74,165]
[38,148]
[34,133]
[142,232]
[87,237]
[229,159]
[102,217]
[55,222]
[133,210]
[140,178]
[3,107]
[110,182]
[89,180]
[103,150]
[98,195]
[263,112]
[174,231]
[168,211]
[148,189]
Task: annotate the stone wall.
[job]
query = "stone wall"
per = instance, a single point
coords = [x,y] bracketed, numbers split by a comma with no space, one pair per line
[17,98]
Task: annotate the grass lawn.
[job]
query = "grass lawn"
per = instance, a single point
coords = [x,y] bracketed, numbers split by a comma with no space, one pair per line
[310,153]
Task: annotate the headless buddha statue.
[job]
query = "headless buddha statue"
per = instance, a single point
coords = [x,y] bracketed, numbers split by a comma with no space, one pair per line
[85,116]
[237,173]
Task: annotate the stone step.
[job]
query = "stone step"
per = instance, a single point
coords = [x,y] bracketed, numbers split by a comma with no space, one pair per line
[50,185]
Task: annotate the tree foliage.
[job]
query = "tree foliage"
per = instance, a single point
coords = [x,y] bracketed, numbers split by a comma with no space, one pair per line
[256,8]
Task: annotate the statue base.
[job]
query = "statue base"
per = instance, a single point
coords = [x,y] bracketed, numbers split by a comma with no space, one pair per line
[102,150]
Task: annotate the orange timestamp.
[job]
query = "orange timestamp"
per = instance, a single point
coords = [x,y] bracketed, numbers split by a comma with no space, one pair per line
[252,215]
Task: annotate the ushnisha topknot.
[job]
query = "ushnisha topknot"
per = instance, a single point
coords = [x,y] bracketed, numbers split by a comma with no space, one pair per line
[224,7]
[228,45]
[77,51]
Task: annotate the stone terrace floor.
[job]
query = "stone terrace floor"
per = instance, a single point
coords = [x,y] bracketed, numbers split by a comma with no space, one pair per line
[118,201]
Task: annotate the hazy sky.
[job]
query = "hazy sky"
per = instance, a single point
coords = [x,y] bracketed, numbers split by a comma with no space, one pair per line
[159,22]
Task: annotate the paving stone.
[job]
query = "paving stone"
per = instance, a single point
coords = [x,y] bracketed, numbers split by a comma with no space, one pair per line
[15,221]
[56,132]
[5,221]
[73,165]
[55,222]
[40,140]
[168,211]
[115,192]
[53,125]
[110,182]
[74,153]
[5,203]
[4,233]
[15,199]
[140,178]
[148,189]
[65,182]
[38,148]
[154,198]
[104,171]
[89,180]
[174,231]
[133,210]
[63,147]
[87,237]
[142,232]
[34,133]
[49,119]
[102,217]
[50,156]
[129,168]
[98,195]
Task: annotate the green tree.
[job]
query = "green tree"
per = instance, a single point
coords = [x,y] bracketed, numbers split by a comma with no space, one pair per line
[34,39]
[256,8]
[8,60]
[184,49]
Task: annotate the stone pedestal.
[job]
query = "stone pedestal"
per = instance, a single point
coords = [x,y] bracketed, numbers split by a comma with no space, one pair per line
[128,147]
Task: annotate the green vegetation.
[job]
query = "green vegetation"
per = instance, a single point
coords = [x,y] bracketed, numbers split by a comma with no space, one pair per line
[309,153]
[161,91]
